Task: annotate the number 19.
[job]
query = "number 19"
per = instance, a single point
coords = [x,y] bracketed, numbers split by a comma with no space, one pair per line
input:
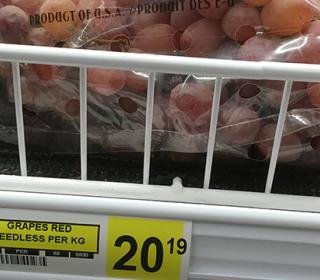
[181,244]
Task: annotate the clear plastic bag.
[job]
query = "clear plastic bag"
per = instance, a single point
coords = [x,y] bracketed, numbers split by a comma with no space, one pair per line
[252,30]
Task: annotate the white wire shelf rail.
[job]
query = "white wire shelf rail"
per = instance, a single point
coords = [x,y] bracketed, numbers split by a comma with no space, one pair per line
[153,64]
[235,235]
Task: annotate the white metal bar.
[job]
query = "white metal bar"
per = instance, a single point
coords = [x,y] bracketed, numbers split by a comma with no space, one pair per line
[83,122]
[213,131]
[161,210]
[160,64]
[176,193]
[19,117]
[278,135]
[148,132]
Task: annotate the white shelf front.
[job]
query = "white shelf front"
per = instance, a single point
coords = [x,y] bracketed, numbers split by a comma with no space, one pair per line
[227,242]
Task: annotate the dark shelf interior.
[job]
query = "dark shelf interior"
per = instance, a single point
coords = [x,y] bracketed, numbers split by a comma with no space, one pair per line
[240,175]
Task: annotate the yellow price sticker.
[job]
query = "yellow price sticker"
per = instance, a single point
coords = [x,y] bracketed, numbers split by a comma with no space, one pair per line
[148,249]
[41,235]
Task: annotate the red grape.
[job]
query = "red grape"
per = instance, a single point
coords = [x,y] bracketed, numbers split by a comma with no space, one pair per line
[91,5]
[126,3]
[307,51]
[14,24]
[312,28]
[119,43]
[128,104]
[216,10]
[48,75]
[257,2]
[273,92]
[314,94]
[240,22]
[290,149]
[110,26]
[133,110]
[202,38]
[157,39]
[139,22]
[286,17]
[40,37]
[5,70]
[27,92]
[62,99]
[4,3]
[260,48]
[249,90]
[301,102]
[106,82]
[59,30]
[238,125]
[181,19]
[315,143]
[136,81]
[228,50]
[35,98]
[72,107]
[105,32]
[30,6]
[190,107]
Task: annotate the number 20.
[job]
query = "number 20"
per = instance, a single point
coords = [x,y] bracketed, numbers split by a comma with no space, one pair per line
[121,264]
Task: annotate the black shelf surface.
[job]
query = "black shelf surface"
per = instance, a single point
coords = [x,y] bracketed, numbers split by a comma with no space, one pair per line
[238,175]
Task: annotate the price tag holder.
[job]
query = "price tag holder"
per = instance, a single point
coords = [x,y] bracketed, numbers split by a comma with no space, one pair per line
[148,249]
[94,245]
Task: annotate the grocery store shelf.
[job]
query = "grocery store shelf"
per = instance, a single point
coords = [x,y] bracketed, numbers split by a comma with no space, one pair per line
[227,242]
[154,64]
[235,235]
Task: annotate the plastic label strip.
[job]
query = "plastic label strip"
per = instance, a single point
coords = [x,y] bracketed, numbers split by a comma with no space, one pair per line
[94,245]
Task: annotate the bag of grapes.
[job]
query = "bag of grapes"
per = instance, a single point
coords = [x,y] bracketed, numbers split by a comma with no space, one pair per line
[250,30]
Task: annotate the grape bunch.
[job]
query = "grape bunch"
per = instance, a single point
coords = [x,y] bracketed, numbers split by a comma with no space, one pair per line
[250,30]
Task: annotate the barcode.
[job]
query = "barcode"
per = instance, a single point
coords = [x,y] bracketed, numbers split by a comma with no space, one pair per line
[23,260]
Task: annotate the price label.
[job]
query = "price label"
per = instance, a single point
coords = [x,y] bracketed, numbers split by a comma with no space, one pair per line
[148,249]
[51,236]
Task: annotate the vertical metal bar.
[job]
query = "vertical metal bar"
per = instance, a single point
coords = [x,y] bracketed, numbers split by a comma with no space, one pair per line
[148,132]
[83,122]
[213,131]
[19,117]
[278,135]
